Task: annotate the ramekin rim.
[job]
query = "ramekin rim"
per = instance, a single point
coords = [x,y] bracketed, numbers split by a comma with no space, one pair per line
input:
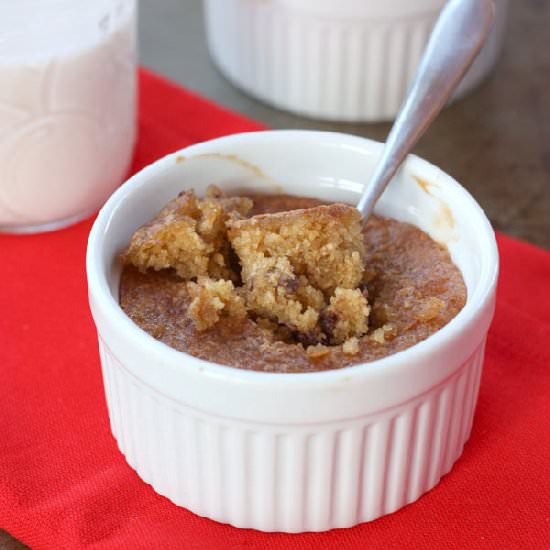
[100,293]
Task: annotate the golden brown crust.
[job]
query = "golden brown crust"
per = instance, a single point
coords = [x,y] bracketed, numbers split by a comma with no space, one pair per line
[413,290]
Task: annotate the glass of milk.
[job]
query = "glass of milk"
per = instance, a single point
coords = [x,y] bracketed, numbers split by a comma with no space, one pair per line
[67,108]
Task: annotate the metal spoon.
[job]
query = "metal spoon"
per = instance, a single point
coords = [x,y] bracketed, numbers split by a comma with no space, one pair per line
[454,43]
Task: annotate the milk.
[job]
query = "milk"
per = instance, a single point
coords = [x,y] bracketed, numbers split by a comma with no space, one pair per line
[67,108]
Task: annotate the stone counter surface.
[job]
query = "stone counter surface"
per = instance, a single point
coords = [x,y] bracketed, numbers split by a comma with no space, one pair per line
[496,142]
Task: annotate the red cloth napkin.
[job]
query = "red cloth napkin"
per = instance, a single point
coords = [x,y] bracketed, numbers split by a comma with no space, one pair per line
[64,484]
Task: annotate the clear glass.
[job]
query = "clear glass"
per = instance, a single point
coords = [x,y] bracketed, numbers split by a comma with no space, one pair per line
[67,108]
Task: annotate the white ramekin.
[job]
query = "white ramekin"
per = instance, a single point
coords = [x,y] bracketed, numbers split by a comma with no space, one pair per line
[294,452]
[331,59]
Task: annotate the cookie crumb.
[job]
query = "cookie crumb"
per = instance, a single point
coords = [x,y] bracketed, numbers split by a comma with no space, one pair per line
[317,352]
[346,316]
[189,236]
[211,300]
[385,332]
[431,308]
[351,346]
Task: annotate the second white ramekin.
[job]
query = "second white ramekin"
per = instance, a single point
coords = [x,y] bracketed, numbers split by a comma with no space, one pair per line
[332,59]
[294,452]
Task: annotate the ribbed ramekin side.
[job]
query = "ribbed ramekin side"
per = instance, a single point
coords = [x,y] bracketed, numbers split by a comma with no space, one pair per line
[295,477]
[337,68]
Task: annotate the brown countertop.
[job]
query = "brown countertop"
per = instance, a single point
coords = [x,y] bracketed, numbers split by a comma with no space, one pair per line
[496,142]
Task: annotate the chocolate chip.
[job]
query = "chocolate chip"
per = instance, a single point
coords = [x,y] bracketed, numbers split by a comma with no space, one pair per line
[309,338]
[364,290]
[328,322]
[289,283]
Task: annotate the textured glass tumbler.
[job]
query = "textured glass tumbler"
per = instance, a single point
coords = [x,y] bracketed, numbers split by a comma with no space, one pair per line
[67,108]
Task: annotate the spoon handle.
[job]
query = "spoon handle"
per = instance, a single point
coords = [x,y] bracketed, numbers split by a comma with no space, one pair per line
[454,43]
